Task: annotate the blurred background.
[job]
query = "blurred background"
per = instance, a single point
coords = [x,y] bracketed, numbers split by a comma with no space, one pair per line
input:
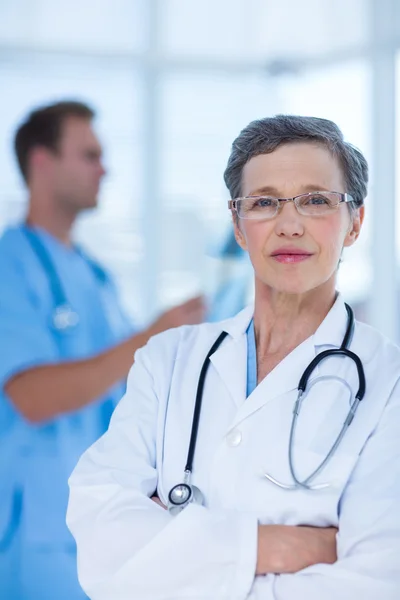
[173,82]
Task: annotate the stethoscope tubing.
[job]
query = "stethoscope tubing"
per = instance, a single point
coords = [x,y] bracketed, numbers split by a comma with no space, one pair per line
[64,316]
[302,386]
[198,402]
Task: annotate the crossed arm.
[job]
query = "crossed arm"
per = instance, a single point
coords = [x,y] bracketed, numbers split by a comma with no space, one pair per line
[129,547]
[288,549]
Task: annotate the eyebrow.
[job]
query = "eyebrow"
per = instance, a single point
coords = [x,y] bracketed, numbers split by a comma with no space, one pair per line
[305,189]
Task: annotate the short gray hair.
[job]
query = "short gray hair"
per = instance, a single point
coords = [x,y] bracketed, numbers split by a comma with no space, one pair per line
[265,135]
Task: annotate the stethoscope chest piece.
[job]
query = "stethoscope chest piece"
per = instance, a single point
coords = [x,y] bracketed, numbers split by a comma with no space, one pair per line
[64,318]
[181,495]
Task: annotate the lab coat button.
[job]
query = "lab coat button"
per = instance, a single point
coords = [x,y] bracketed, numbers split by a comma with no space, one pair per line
[234,438]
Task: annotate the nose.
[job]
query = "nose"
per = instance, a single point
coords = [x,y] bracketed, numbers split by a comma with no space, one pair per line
[288,222]
[102,169]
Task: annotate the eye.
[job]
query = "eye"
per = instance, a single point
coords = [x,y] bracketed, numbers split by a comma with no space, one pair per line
[92,156]
[316,200]
[263,202]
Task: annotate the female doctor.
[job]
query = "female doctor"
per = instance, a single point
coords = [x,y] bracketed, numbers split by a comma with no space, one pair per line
[258,458]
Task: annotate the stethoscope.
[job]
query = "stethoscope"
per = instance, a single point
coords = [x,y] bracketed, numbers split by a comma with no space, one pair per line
[64,318]
[184,493]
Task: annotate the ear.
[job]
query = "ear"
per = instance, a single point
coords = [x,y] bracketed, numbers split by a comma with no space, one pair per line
[40,158]
[239,236]
[357,219]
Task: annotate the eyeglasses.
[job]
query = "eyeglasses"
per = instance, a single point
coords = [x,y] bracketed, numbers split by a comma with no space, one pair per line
[313,204]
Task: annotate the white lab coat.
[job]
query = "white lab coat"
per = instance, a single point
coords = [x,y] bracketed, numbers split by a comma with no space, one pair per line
[129,548]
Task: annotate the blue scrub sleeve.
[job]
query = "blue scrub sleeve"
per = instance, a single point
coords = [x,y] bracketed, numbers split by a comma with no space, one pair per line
[25,336]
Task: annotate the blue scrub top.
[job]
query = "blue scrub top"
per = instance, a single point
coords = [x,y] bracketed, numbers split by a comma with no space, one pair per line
[36,460]
[251,359]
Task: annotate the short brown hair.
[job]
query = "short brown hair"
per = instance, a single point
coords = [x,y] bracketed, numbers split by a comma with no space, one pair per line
[43,127]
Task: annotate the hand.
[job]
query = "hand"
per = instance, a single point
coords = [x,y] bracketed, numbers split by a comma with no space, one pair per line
[157,500]
[189,313]
[288,549]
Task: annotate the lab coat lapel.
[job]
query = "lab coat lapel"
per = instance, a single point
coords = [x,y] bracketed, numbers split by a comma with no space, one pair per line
[228,362]
[286,375]
[283,378]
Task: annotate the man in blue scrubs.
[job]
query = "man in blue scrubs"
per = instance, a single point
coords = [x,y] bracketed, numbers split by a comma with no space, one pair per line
[65,350]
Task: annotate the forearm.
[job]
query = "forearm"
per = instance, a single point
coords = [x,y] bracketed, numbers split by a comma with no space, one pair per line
[271,555]
[289,549]
[44,392]
[307,566]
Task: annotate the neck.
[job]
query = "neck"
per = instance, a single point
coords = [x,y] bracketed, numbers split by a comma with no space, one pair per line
[283,321]
[52,219]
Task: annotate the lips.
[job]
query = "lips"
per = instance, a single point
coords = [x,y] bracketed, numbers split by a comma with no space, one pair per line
[290,255]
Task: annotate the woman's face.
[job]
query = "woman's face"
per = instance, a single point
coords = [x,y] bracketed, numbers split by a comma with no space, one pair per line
[290,170]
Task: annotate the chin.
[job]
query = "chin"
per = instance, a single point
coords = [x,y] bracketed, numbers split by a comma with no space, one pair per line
[290,285]
[292,290]
[301,288]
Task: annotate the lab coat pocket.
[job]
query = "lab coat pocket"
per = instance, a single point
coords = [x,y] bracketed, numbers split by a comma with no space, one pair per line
[277,499]
[318,506]
[334,474]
